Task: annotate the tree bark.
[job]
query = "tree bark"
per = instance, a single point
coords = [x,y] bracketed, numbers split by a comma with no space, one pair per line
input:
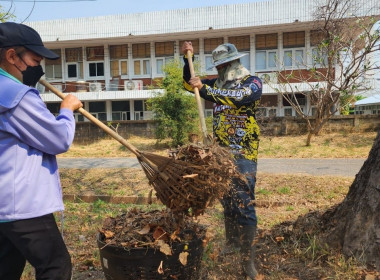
[354,225]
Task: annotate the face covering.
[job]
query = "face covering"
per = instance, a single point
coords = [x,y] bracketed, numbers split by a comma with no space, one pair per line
[32,75]
[230,75]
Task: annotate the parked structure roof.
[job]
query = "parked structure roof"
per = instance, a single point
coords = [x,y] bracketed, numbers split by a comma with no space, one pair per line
[375,99]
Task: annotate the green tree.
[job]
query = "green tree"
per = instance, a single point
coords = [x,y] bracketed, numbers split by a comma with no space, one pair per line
[175,110]
[5,15]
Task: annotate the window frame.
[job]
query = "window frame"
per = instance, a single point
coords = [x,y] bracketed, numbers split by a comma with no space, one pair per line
[324,56]
[120,74]
[267,67]
[210,69]
[166,60]
[97,77]
[54,78]
[78,70]
[302,65]
[141,61]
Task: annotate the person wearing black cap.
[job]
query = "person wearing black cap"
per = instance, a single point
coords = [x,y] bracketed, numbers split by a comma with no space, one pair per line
[30,139]
[236,95]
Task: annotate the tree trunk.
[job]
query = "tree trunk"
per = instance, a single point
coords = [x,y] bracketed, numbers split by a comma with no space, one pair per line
[354,225]
[308,139]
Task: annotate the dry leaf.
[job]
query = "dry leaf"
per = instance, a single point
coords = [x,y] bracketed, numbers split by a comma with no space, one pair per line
[160,269]
[279,238]
[190,176]
[108,234]
[174,236]
[160,233]
[144,230]
[183,258]
[164,247]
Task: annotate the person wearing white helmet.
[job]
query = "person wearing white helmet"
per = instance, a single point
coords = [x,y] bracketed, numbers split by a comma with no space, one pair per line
[236,95]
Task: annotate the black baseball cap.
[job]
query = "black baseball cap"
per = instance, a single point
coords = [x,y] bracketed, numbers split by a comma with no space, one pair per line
[14,34]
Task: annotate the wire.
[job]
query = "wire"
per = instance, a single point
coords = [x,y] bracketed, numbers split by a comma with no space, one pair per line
[35,1]
[30,13]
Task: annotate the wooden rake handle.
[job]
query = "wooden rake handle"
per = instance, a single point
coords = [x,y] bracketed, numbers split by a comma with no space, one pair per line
[198,99]
[94,120]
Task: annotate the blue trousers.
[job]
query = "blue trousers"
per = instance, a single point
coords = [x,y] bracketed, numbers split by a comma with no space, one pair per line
[237,203]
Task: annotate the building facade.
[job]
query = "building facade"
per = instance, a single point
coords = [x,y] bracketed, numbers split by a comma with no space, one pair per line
[111,62]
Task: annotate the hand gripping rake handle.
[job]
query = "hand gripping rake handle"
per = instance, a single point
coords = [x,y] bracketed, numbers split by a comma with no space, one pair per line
[94,120]
[198,99]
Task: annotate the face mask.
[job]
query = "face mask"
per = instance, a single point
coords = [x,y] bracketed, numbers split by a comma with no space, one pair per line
[32,75]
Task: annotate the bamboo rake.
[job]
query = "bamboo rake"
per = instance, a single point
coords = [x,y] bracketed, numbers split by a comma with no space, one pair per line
[206,139]
[180,185]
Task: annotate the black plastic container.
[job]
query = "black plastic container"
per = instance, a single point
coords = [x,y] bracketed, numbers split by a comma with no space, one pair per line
[120,263]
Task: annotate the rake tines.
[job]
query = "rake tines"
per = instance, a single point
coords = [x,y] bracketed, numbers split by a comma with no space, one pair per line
[192,179]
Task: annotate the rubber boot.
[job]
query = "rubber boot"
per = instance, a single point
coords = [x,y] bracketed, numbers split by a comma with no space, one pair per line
[247,235]
[232,232]
[232,236]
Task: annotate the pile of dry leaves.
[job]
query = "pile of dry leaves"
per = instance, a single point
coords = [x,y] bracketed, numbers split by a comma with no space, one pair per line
[155,229]
[218,171]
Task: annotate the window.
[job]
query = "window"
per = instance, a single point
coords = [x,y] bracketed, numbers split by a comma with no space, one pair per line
[243,45]
[294,39]
[160,63]
[121,110]
[316,37]
[95,58]
[319,57]
[266,41]
[96,69]
[119,60]
[266,60]
[53,68]
[266,52]
[261,112]
[209,62]
[267,105]
[294,43]
[54,108]
[294,58]
[272,112]
[73,70]
[266,112]
[74,63]
[288,112]
[79,117]
[164,53]
[141,66]
[240,42]
[141,59]
[98,110]
[139,106]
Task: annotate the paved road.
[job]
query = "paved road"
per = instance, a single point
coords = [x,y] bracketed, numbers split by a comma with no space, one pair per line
[335,167]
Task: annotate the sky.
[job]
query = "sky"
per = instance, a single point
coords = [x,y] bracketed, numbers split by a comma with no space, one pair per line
[28,10]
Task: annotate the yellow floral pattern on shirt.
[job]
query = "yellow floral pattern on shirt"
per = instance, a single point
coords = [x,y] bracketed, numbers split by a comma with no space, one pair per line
[238,129]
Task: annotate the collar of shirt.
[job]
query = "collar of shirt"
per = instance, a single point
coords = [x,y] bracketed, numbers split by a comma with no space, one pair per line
[6,74]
